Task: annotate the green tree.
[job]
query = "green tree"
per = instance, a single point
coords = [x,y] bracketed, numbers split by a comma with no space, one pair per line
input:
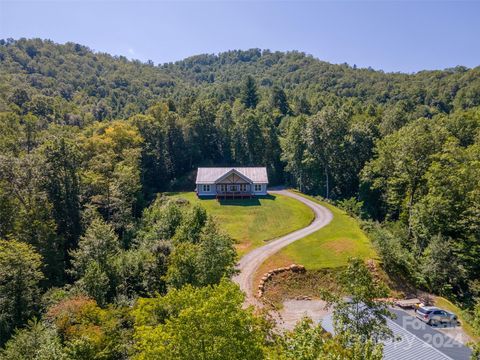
[163,150]
[96,283]
[476,317]
[141,271]
[162,219]
[201,254]
[451,203]
[397,260]
[248,93]
[394,118]
[293,152]
[31,132]
[20,276]
[201,134]
[93,263]
[11,133]
[164,325]
[442,267]
[400,163]
[272,150]
[216,255]
[464,125]
[21,183]
[36,341]
[62,184]
[19,97]
[111,172]
[90,332]
[310,342]
[224,124]
[193,221]
[248,144]
[361,316]
[278,100]
[182,266]
[301,105]
[325,138]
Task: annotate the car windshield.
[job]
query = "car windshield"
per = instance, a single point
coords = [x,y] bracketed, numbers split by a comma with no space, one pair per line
[424,311]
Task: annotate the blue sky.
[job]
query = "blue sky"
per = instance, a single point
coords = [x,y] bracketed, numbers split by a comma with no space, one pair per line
[390,35]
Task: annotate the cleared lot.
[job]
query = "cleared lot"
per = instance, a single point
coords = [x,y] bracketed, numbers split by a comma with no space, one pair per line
[253,222]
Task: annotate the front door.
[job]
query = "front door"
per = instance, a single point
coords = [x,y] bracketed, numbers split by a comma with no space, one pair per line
[233,188]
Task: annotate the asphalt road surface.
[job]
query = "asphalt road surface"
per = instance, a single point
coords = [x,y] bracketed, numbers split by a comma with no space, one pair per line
[452,348]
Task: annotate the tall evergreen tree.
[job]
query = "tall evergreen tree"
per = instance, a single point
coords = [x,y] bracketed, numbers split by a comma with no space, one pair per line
[61,183]
[278,100]
[248,94]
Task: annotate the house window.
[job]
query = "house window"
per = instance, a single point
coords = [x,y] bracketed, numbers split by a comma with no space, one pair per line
[258,187]
[233,188]
[223,188]
[243,187]
[206,188]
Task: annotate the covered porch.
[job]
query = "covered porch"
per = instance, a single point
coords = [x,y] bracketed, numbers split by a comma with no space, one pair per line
[226,191]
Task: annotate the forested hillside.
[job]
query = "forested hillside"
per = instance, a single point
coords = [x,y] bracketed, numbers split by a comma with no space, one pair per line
[88,141]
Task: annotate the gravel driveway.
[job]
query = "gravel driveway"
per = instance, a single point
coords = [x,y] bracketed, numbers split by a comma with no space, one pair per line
[249,263]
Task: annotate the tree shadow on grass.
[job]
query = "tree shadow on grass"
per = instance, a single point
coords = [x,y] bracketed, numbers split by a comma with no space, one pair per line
[246,202]
[268,197]
[240,202]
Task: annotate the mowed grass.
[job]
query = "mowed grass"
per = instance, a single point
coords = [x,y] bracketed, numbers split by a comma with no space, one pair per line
[252,222]
[330,247]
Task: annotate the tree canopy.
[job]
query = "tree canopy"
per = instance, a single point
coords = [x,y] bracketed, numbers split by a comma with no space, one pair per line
[89,142]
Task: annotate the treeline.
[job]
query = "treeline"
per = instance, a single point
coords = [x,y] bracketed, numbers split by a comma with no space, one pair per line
[424,179]
[87,141]
[193,320]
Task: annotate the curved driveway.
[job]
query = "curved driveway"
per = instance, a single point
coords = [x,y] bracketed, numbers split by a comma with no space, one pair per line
[249,264]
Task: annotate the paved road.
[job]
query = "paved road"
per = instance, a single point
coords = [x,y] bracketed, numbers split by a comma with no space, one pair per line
[448,346]
[415,340]
[249,264]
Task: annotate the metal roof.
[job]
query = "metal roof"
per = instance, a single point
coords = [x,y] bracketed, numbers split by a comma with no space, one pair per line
[447,345]
[209,175]
[417,340]
[409,346]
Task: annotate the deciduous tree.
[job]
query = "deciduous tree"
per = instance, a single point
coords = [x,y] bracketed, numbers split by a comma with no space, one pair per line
[20,277]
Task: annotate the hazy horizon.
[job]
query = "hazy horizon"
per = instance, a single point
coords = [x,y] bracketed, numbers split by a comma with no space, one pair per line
[228,50]
[390,36]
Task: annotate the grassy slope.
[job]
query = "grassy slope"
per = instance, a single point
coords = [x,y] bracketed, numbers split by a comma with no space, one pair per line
[252,222]
[332,245]
[449,306]
[322,252]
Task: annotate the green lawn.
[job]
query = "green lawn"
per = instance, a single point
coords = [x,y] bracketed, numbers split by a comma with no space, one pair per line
[332,245]
[449,306]
[253,221]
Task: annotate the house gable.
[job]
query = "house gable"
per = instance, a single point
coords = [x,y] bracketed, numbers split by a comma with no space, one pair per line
[249,175]
[233,177]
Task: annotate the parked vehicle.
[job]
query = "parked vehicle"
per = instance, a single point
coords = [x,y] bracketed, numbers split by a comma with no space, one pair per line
[409,303]
[435,316]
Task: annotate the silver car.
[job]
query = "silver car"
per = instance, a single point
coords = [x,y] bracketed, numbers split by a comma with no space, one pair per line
[435,316]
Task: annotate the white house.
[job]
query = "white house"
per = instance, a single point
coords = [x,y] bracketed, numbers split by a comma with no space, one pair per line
[231,182]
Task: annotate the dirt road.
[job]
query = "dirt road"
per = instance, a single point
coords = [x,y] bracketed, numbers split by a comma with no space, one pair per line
[249,264]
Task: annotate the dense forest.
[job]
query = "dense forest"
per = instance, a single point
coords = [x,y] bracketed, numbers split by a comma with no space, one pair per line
[96,264]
